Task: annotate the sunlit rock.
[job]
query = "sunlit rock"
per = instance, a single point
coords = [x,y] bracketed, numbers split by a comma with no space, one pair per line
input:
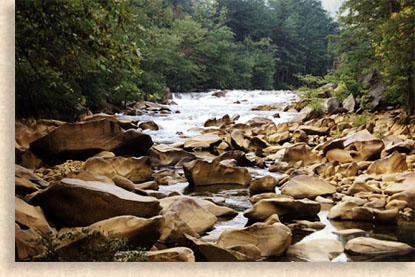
[135,169]
[271,240]
[73,202]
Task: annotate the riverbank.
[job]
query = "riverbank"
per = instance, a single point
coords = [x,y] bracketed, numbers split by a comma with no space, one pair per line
[307,182]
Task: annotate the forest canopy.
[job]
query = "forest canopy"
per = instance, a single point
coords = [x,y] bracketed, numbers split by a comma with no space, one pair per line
[72,54]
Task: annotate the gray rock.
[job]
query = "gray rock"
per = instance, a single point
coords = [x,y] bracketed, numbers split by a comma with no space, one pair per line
[376,93]
[349,103]
[331,104]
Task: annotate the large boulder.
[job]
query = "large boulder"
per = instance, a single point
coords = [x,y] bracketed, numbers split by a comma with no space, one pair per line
[88,176]
[302,153]
[284,207]
[394,143]
[395,162]
[185,216]
[339,155]
[271,240]
[316,250]
[139,232]
[349,103]
[78,141]
[364,245]
[279,137]
[406,195]
[28,131]
[338,211]
[135,169]
[202,141]
[376,92]
[263,184]
[163,155]
[209,206]
[149,125]
[31,217]
[367,145]
[77,203]
[201,173]
[212,252]
[331,104]
[304,186]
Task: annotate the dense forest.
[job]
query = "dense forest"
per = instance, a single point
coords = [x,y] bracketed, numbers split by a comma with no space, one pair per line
[72,55]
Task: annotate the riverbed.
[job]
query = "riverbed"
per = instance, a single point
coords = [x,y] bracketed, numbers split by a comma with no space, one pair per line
[193,109]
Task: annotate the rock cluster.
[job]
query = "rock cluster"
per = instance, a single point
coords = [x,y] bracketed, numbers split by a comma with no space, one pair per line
[103,175]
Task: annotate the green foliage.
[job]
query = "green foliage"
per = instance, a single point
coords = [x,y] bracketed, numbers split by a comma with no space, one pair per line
[98,249]
[363,119]
[61,46]
[310,81]
[75,53]
[317,105]
[341,92]
[378,35]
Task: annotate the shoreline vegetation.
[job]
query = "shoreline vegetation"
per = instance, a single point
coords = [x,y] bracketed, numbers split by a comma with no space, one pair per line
[87,180]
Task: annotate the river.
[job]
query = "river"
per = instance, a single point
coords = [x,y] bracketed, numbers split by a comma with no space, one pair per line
[193,109]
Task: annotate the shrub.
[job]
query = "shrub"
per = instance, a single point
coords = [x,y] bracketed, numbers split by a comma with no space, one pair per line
[86,246]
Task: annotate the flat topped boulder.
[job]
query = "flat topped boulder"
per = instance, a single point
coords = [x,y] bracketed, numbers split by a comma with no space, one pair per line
[164,155]
[283,207]
[304,186]
[202,141]
[271,240]
[201,173]
[77,203]
[316,250]
[206,204]
[364,245]
[135,169]
[78,141]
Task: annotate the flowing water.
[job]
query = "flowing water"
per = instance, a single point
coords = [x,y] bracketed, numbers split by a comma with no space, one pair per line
[193,109]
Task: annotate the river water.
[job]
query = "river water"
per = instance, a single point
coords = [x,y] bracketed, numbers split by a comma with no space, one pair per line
[193,109]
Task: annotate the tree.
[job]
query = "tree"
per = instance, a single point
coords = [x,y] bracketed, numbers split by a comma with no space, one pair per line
[380,34]
[65,47]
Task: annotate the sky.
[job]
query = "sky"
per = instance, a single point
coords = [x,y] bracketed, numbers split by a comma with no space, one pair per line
[332,5]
